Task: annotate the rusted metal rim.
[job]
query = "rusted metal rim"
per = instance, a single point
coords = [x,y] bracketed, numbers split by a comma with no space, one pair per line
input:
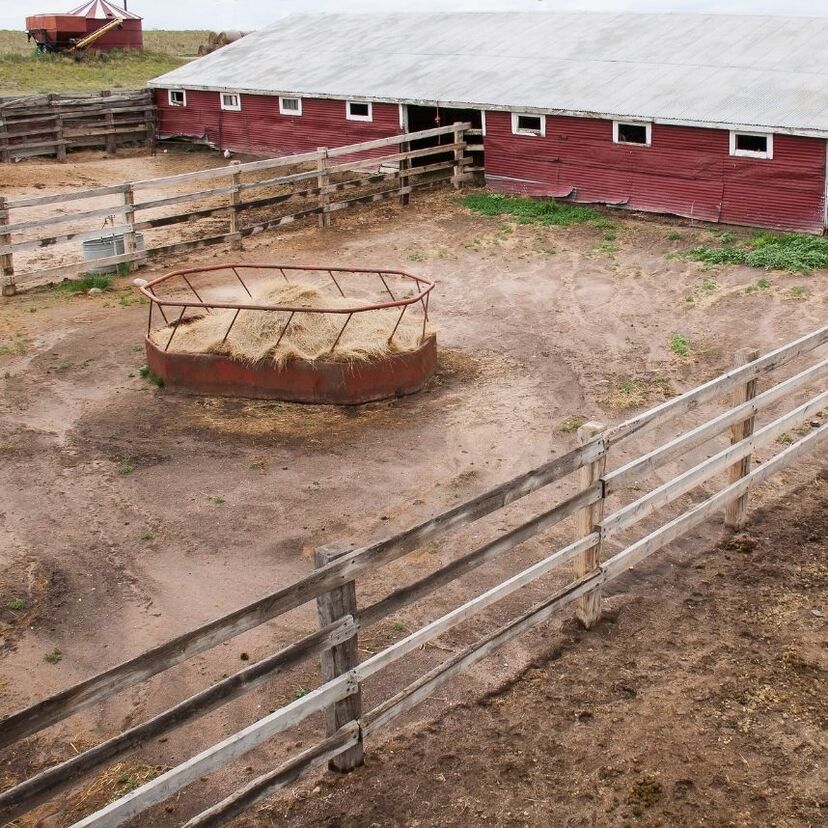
[424,286]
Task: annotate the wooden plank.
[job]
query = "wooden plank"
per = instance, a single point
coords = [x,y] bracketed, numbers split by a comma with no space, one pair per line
[288,772]
[472,560]
[38,244]
[635,553]
[631,472]
[322,181]
[8,287]
[217,172]
[588,610]
[49,782]
[218,755]
[340,658]
[66,219]
[419,690]
[235,200]
[673,489]
[735,512]
[716,387]
[334,690]
[61,198]
[436,628]
[150,662]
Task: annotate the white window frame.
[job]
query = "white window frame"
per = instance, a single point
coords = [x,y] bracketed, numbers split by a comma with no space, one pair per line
[531,133]
[183,98]
[740,153]
[349,116]
[230,107]
[293,112]
[616,125]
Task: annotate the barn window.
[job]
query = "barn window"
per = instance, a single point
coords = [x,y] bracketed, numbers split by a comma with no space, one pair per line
[751,144]
[630,132]
[231,101]
[290,106]
[359,111]
[525,124]
[177,97]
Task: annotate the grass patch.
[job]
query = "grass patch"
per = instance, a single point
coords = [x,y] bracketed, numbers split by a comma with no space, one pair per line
[796,293]
[416,256]
[759,284]
[126,467]
[24,72]
[679,345]
[673,235]
[792,252]
[571,424]
[535,211]
[146,535]
[16,604]
[218,500]
[635,393]
[150,376]
[54,657]
[85,284]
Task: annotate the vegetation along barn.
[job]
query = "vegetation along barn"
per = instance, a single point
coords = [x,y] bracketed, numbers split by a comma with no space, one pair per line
[714,117]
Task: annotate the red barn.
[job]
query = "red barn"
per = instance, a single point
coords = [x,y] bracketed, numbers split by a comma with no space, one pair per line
[660,112]
[54,32]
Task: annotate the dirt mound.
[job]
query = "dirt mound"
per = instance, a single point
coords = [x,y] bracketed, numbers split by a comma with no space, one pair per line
[310,336]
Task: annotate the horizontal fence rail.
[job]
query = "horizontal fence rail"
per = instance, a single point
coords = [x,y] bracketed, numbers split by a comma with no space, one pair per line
[332,586]
[339,178]
[32,125]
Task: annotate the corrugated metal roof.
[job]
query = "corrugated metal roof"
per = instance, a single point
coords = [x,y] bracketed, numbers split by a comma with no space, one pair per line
[102,9]
[709,69]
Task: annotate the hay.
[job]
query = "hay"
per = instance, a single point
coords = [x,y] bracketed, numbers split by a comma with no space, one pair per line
[310,336]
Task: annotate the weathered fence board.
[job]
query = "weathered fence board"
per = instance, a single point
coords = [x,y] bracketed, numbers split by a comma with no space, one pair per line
[96,120]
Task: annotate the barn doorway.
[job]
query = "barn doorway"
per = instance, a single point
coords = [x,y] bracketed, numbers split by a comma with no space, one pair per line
[428,117]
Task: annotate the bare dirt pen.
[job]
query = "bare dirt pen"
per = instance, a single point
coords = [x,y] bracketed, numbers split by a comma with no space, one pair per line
[130,514]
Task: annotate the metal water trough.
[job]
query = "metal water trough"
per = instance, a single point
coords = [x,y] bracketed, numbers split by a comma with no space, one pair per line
[107,246]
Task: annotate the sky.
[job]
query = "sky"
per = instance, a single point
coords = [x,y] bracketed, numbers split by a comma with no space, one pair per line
[219,15]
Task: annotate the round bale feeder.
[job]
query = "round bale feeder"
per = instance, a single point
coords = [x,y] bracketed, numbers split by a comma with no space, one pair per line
[325,335]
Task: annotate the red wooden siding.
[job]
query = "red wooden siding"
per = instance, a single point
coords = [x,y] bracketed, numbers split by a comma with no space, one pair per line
[259,128]
[129,36]
[687,171]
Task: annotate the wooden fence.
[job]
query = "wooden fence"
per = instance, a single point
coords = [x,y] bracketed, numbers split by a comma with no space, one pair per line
[55,124]
[333,179]
[341,619]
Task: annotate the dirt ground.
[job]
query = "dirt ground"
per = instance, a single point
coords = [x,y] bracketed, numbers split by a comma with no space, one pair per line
[130,514]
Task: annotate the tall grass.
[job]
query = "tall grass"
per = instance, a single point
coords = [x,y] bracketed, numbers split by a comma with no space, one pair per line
[534,211]
[792,252]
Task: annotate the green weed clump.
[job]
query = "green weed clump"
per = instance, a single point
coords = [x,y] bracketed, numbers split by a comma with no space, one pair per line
[85,283]
[535,211]
[679,345]
[792,252]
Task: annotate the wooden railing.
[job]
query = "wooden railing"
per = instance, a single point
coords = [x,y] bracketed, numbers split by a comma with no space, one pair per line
[341,619]
[54,124]
[363,171]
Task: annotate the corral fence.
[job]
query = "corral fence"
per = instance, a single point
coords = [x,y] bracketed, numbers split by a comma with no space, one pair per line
[599,526]
[32,125]
[242,200]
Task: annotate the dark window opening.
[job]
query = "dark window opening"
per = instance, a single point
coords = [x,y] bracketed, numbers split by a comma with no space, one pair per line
[529,123]
[632,134]
[290,103]
[751,143]
[176,97]
[359,110]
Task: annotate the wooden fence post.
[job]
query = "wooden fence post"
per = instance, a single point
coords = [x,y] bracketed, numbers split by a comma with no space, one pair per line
[588,607]
[6,261]
[129,218]
[60,138]
[5,153]
[735,511]
[149,122]
[340,659]
[109,118]
[459,154]
[405,164]
[322,181]
[235,200]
